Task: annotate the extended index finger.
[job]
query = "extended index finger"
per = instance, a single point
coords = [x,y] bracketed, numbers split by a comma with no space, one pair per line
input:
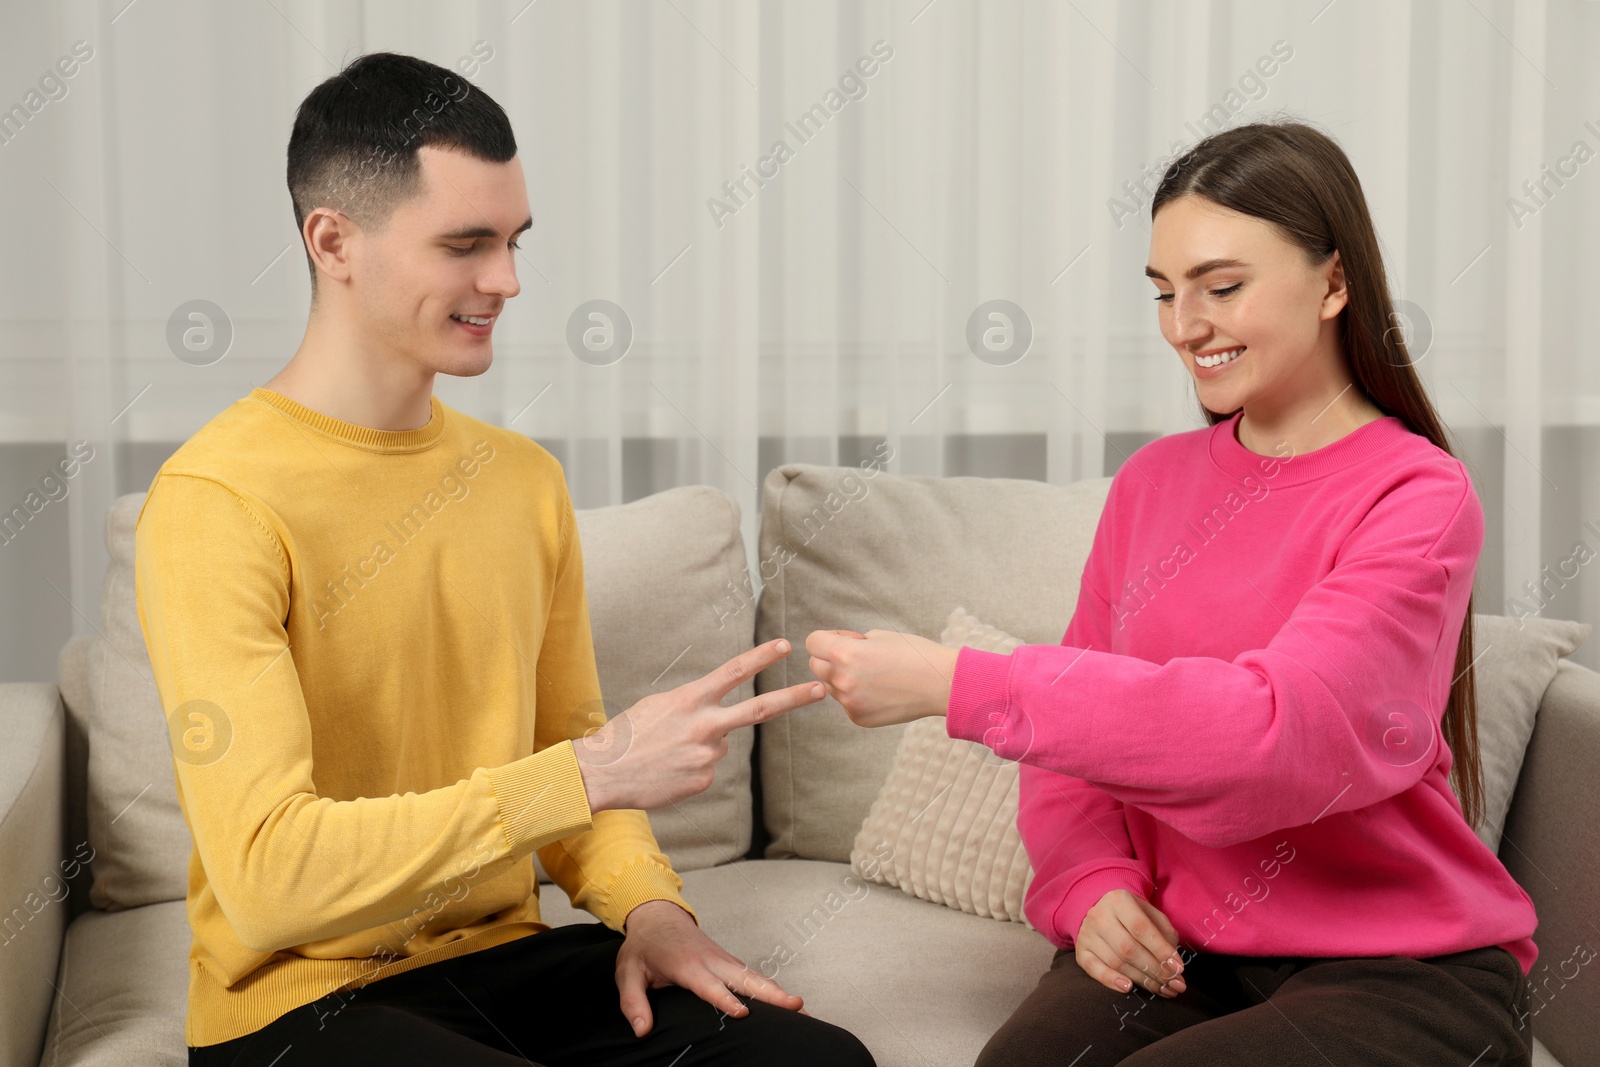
[734,673]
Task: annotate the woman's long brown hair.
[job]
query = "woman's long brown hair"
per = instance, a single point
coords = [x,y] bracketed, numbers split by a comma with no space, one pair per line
[1299,179]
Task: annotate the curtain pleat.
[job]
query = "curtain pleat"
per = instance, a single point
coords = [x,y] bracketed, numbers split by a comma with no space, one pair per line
[802,210]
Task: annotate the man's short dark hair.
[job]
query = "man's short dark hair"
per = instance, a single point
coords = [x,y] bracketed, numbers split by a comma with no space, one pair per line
[355,138]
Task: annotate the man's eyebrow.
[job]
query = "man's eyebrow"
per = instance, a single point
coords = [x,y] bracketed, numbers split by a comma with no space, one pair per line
[1198,269]
[467,232]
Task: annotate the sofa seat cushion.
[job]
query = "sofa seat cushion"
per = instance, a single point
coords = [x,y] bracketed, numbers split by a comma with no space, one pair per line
[880,966]
[920,984]
[122,990]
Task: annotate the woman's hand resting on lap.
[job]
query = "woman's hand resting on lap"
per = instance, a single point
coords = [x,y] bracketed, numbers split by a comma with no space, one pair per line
[1125,939]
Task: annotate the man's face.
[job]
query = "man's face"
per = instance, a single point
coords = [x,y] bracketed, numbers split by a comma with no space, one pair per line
[444,255]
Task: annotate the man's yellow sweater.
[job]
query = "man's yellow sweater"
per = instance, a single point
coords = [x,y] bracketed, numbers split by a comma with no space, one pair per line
[373,650]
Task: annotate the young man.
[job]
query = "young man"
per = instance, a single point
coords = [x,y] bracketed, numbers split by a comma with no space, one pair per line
[366,617]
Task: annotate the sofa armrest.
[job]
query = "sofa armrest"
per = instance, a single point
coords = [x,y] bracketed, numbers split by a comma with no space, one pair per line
[1552,848]
[32,824]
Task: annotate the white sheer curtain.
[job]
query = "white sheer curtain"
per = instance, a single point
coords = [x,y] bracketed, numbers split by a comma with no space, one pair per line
[994,152]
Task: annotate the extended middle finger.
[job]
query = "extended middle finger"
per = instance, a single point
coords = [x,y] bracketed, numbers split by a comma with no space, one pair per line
[705,984]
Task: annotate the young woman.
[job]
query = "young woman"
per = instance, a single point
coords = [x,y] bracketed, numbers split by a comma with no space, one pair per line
[1236,768]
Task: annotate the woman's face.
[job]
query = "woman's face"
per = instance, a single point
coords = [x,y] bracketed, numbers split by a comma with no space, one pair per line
[1230,283]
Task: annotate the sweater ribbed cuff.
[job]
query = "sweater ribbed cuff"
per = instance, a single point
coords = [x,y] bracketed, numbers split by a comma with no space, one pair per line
[640,882]
[978,698]
[542,798]
[1086,893]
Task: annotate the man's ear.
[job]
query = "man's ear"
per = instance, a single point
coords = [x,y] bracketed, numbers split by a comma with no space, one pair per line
[328,234]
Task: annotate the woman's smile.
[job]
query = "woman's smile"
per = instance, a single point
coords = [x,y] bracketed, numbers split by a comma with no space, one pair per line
[1217,361]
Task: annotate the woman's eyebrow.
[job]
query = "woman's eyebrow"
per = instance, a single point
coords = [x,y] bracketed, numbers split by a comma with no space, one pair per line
[1199,268]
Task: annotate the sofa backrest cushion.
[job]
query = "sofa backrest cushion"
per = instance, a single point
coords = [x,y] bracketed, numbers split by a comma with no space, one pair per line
[654,569]
[140,841]
[862,549]
[1514,662]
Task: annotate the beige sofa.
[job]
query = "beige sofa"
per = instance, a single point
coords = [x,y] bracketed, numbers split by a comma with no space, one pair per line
[93,848]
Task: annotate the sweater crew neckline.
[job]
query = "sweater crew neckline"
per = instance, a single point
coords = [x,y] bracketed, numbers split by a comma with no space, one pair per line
[367,437]
[1237,461]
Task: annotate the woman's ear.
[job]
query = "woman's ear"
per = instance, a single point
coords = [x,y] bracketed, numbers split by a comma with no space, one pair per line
[1335,295]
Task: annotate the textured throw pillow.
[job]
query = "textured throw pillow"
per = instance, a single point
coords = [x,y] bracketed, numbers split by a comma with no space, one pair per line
[944,826]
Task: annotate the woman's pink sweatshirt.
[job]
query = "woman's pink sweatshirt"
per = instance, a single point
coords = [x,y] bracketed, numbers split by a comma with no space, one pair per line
[1242,723]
